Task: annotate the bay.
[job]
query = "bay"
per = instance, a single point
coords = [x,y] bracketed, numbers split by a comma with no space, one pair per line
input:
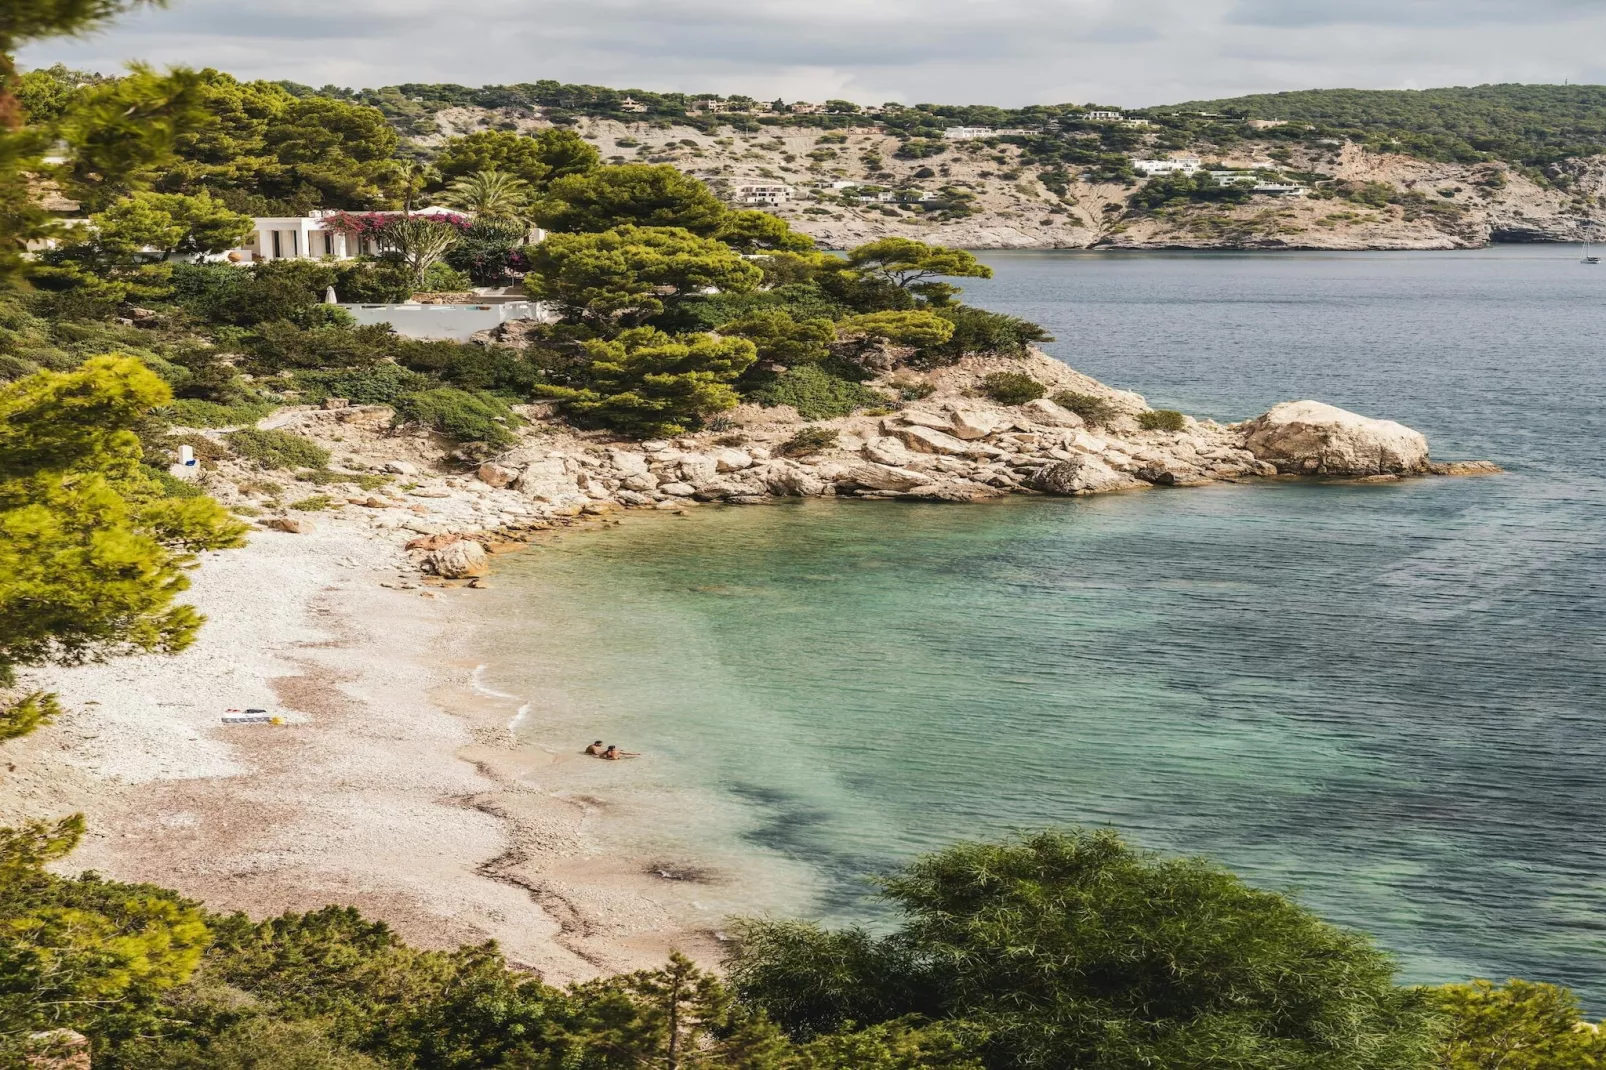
[1386,698]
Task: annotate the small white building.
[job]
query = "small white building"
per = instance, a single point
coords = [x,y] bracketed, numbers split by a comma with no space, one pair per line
[1103,116]
[318,235]
[803,107]
[1266,124]
[976,133]
[630,104]
[1281,189]
[772,193]
[1180,165]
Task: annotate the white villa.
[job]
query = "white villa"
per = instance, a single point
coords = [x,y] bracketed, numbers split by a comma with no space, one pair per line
[1103,116]
[973,133]
[772,193]
[631,104]
[312,237]
[1186,165]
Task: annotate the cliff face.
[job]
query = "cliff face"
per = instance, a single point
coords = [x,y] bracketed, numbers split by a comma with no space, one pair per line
[1465,206]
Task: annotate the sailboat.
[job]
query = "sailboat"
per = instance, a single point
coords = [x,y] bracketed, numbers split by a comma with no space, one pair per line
[1589,257]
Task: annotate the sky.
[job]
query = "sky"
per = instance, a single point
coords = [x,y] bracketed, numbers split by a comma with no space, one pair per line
[1131,53]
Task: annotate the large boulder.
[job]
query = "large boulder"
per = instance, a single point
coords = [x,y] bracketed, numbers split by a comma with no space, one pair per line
[1314,439]
[1044,411]
[929,440]
[883,477]
[1081,475]
[459,560]
[552,480]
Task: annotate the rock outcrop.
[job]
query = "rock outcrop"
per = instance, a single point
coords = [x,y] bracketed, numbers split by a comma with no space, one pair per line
[1314,439]
[464,559]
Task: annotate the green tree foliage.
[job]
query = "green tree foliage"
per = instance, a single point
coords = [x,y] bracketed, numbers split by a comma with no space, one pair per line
[780,339]
[123,132]
[490,195]
[629,274]
[536,160]
[418,241]
[92,551]
[758,232]
[490,251]
[169,223]
[642,195]
[916,327]
[1162,420]
[1177,188]
[647,383]
[269,152]
[1072,949]
[1528,124]
[977,330]
[83,953]
[915,266]
[1515,1026]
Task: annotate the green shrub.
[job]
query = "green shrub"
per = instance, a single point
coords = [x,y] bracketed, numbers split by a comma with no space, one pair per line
[459,414]
[382,384]
[808,440]
[1162,420]
[15,367]
[978,331]
[442,278]
[1094,410]
[817,394]
[1012,388]
[277,449]
[192,412]
[313,504]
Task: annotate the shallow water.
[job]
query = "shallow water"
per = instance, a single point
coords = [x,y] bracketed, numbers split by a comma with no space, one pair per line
[1387,697]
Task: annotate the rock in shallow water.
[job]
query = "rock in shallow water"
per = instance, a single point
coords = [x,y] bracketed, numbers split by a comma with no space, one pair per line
[1081,475]
[1314,439]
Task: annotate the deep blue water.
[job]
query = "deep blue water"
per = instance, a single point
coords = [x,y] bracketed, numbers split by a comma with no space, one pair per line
[1390,698]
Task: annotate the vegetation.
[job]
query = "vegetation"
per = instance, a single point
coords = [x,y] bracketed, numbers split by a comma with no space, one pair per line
[1094,410]
[460,414]
[277,449]
[1162,420]
[1052,950]
[1012,388]
[816,394]
[809,440]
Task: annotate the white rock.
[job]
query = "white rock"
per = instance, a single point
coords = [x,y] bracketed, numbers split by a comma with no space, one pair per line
[697,468]
[628,462]
[730,460]
[888,450]
[1081,475]
[679,490]
[883,477]
[1047,412]
[921,418]
[928,440]
[459,560]
[1312,438]
[402,468]
[1088,443]
[759,453]
[552,480]
[970,424]
[642,483]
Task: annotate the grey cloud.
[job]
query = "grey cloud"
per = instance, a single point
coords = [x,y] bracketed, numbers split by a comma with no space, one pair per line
[1002,52]
[1422,13]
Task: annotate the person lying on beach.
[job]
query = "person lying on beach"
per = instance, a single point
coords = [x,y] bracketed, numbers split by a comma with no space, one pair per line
[613,753]
[595,750]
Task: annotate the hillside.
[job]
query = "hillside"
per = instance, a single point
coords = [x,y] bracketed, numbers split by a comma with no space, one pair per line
[1016,192]
[1533,125]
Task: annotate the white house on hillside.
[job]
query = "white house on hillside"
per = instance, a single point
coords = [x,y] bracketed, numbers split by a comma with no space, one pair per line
[315,236]
[1103,116]
[1185,165]
[763,193]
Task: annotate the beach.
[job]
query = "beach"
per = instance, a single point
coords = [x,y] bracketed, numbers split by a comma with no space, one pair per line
[394,787]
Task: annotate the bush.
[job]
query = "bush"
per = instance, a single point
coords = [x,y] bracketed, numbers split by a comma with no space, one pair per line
[382,384]
[1094,410]
[978,331]
[1162,420]
[277,449]
[313,504]
[808,440]
[459,414]
[1012,388]
[191,412]
[817,394]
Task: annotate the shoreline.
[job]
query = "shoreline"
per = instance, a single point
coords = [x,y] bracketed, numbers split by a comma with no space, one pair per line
[393,787]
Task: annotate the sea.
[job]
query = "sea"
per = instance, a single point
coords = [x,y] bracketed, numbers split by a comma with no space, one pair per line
[1388,700]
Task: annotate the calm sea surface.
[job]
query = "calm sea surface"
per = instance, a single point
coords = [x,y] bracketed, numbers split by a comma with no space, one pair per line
[1391,699]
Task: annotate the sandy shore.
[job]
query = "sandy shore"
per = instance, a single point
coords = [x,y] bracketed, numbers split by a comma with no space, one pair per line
[396,786]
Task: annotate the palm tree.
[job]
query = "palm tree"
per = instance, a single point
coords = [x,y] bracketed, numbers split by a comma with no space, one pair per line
[490,195]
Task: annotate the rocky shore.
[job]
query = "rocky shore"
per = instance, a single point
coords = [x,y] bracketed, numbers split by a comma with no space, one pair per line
[394,783]
[952,444]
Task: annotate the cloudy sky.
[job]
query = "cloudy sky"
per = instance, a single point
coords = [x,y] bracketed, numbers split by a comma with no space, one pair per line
[1007,52]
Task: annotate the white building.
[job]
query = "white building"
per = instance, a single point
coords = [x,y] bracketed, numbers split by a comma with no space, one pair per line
[318,235]
[772,193]
[974,133]
[1103,116]
[630,104]
[1185,165]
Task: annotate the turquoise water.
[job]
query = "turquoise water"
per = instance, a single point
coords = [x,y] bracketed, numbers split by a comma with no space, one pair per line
[1387,697]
